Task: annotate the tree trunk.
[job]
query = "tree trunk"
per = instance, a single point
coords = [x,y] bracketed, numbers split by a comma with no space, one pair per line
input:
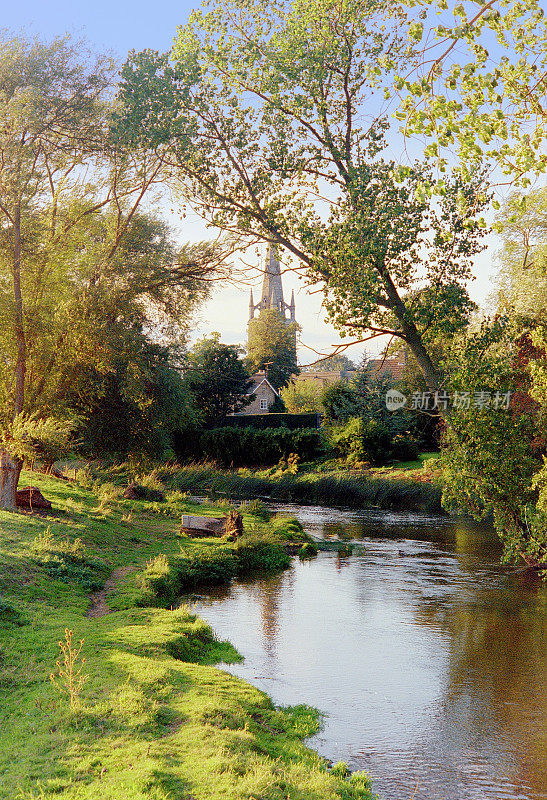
[411,335]
[21,364]
[10,470]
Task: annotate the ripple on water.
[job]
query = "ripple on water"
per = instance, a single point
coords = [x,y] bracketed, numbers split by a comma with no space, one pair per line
[425,654]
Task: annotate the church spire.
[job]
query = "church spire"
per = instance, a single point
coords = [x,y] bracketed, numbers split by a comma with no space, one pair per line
[292,308]
[272,298]
[272,287]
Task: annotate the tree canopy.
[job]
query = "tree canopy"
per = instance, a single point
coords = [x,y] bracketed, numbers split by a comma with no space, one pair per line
[86,280]
[217,378]
[271,345]
[267,137]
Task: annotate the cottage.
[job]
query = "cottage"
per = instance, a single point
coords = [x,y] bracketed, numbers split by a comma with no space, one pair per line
[264,395]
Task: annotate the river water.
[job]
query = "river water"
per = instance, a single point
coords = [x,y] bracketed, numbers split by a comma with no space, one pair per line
[427,657]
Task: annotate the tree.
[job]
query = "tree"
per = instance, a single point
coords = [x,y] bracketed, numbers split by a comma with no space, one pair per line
[476,88]
[335,363]
[522,223]
[301,397]
[271,346]
[340,402]
[217,379]
[84,277]
[51,117]
[493,454]
[261,125]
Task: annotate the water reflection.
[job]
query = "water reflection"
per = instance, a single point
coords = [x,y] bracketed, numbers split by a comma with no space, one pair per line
[427,656]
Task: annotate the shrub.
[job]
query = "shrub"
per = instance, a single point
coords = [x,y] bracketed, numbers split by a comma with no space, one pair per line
[249,446]
[259,555]
[288,528]
[361,440]
[405,447]
[308,550]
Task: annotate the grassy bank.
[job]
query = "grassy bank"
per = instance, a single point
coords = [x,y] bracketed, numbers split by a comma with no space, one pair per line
[317,488]
[154,719]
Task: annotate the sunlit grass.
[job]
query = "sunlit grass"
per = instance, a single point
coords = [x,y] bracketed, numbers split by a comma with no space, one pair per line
[155,718]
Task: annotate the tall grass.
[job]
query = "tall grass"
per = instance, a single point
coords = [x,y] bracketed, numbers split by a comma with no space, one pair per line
[330,490]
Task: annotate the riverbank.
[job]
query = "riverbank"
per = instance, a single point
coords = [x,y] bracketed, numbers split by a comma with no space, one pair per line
[394,489]
[154,718]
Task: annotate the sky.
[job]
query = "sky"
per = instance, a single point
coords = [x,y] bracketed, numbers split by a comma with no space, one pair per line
[122,25]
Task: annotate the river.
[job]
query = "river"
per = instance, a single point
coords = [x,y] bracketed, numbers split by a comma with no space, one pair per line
[427,657]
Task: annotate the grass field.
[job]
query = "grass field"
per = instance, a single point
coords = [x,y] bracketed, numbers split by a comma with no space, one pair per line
[155,718]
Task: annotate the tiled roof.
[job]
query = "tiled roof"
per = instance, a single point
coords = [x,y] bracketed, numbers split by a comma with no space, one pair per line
[384,366]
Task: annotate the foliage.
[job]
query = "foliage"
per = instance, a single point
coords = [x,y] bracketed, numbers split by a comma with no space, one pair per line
[338,362]
[522,223]
[86,281]
[360,426]
[468,105]
[285,86]
[302,396]
[250,446]
[271,345]
[490,455]
[69,677]
[340,402]
[360,440]
[278,406]
[217,379]
[27,437]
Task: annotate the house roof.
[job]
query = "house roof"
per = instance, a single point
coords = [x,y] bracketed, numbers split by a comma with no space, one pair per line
[258,379]
[382,366]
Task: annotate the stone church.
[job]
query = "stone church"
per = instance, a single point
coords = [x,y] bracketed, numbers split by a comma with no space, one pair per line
[272,290]
[271,299]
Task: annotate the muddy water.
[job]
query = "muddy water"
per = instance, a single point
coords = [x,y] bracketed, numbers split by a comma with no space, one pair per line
[426,656]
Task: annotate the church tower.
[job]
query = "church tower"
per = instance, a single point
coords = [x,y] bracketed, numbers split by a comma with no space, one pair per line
[272,290]
[272,329]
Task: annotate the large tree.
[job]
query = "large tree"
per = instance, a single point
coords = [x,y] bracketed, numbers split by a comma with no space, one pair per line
[495,455]
[217,379]
[51,119]
[267,125]
[78,264]
[271,345]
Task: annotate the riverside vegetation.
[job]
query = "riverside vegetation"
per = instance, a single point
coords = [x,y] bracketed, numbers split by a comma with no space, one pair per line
[152,717]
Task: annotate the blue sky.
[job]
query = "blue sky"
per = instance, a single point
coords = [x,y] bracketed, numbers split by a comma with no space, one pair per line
[119,26]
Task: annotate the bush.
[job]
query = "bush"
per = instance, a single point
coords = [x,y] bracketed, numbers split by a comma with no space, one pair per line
[232,446]
[308,550]
[369,440]
[165,579]
[405,447]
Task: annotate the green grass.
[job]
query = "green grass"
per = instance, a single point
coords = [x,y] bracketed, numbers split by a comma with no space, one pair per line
[336,488]
[156,718]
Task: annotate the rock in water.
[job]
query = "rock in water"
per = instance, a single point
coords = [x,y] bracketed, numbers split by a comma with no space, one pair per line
[31,497]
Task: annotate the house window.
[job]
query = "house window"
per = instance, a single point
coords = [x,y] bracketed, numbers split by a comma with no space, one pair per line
[264,404]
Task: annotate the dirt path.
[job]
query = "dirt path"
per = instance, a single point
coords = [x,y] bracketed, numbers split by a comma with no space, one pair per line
[99,606]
